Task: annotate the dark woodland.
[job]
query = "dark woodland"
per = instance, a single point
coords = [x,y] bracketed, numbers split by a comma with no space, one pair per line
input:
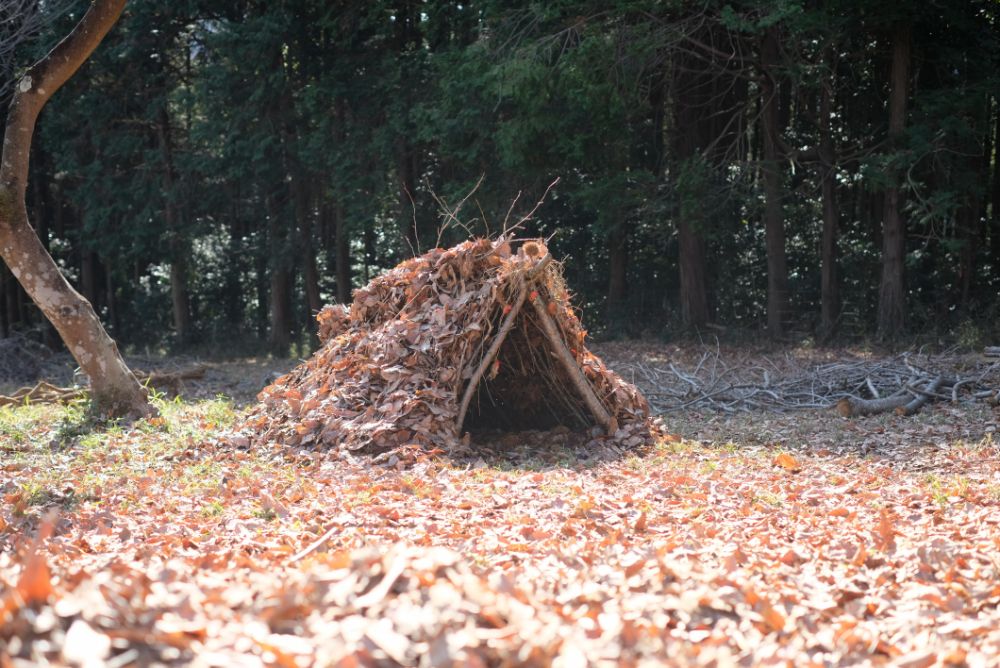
[822,171]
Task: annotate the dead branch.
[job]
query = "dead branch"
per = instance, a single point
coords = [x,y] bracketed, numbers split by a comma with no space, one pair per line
[853,386]
[573,370]
[491,353]
[42,393]
[923,396]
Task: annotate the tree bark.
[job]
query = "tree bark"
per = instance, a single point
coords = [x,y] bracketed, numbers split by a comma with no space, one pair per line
[995,198]
[4,318]
[9,298]
[407,175]
[693,106]
[342,250]
[114,389]
[892,296]
[88,275]
[280,284]
[179,295]
[617,273]
[829,278]
[281,311]
[694,286]
[303,204]
[774,223]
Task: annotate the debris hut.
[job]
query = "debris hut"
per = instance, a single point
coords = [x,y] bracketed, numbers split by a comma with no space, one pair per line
[480,337]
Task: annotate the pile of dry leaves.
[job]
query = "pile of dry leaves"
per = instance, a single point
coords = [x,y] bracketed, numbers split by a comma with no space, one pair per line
[476,338]
[687,555]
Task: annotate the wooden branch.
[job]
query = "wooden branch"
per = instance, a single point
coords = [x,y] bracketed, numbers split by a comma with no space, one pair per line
[991,351]
[501,335]
[41,393]
[855,407]
[922,398]
[573,370]
[909,400]
[491,352]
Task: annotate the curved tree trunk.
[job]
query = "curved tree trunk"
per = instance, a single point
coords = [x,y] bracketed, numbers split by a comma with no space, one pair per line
[114,390]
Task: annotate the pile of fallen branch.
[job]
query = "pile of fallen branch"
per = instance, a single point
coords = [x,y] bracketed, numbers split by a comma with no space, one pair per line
[41,393]
[853,385]
[47,393]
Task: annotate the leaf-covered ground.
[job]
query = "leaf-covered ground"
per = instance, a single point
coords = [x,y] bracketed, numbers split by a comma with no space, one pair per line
[796,539]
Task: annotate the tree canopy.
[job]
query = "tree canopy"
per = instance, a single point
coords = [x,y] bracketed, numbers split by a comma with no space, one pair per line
[222,167]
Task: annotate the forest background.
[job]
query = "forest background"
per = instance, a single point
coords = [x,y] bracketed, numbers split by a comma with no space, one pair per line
[818,171]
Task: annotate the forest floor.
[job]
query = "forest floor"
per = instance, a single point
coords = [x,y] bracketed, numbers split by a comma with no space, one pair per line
[748,538]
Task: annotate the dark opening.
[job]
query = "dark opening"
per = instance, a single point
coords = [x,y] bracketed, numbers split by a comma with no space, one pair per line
[531,390]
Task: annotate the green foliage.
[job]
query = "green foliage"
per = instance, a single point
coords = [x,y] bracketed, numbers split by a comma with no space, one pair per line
[220,144]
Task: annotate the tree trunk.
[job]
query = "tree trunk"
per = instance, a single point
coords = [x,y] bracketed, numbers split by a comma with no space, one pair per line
[4,318]
[694,289]
[343,254]
[406,174]
[88,275]
[179,295]
[995,198]
[114,389]
[302,203]
[109,288]
[280,284]
[774,223]
[180,300]
[693,99]
[892,296]
[9,298]
[617,271]
[281,311]
[829,279]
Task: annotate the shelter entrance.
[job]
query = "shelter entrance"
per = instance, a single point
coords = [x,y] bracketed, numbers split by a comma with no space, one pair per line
[526,388]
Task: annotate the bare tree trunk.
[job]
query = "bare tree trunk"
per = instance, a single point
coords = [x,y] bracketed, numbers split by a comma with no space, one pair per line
[617,272]
[179,299]
[302,201]
[892,295]
[343,254]
[774,223]
[829,278]
[280,281]
[995,198]
[109,288]
[4,318]
[689,136]
[694,287]
[114,389]
[179,296]
[9,298]
[967,219]
[310,273]
[407,195]
[281,311]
